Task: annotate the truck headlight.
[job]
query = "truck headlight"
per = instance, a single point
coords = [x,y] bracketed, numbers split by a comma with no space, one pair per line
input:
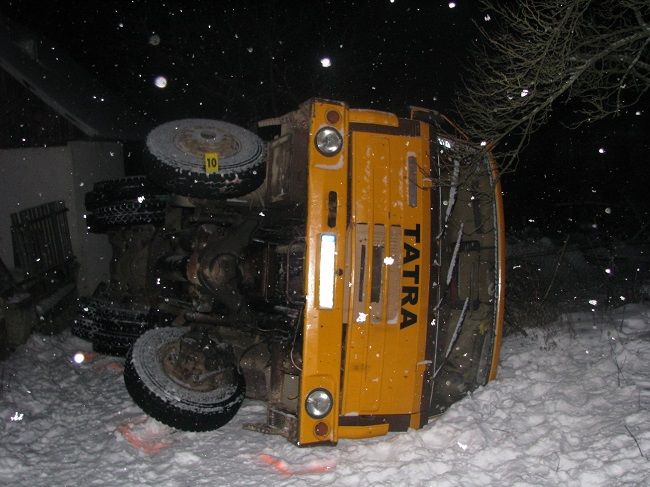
[318,403]
[329,141]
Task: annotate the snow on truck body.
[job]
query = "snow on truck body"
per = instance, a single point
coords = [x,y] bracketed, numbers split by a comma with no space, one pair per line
[377,240]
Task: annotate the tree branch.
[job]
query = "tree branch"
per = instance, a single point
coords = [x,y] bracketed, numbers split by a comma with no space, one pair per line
[543,51]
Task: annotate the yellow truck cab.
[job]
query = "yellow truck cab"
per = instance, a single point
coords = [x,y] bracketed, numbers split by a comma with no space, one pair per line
[358,289]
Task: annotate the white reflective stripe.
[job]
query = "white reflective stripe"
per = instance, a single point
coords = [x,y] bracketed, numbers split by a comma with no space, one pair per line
[327,270]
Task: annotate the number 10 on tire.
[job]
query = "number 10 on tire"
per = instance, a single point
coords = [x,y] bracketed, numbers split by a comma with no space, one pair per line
[211,160]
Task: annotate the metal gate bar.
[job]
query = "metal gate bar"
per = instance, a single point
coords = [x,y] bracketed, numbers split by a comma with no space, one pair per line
[41,241]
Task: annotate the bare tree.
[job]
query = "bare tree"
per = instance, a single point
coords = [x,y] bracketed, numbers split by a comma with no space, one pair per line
[533,54]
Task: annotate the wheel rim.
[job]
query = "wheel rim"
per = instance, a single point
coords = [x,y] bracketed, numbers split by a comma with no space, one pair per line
[189,367]
[166,396]
[202,139]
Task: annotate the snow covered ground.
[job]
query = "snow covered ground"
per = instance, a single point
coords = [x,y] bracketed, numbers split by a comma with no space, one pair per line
[571,406]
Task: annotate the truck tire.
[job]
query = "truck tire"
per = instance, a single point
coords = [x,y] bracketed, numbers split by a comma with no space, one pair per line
[116,203]
[165,399]
[114,217]
[111,345]
[114,328]
[175,158]
[130,188]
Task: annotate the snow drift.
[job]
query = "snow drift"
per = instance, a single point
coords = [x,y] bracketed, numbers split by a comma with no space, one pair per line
[571,406]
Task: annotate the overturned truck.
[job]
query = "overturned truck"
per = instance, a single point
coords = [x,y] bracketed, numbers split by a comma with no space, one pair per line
[350,272]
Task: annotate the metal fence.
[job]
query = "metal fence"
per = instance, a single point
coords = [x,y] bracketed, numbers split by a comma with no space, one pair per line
[41,242]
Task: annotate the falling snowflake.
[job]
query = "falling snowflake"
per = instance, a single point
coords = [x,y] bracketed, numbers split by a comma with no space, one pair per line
[593,302]
[601,150]
[154,39]
[160,82]
[487,17]
[17,416]
[326,62]
[140,199]
[452,4]
[389,260]
[362,317]
[524,92]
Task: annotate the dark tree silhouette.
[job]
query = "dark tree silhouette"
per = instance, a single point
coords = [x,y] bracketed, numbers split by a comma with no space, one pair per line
[533,54]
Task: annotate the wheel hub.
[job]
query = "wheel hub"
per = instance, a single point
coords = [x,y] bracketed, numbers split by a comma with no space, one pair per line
[198,363]
[199,140]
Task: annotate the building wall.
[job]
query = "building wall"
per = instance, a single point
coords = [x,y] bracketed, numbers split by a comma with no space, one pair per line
[30,177]
[91,162]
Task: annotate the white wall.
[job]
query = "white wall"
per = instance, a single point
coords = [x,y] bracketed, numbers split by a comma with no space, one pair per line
[91,162]
[30,177]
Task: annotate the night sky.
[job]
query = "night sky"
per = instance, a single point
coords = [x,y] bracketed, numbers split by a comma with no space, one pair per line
[242,61]
[246,60]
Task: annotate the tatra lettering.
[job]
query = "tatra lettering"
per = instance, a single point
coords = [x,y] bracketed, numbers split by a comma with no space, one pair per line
[410,277]
[409,295]
[412,274]
[408,318]
[410,253]
[413,233]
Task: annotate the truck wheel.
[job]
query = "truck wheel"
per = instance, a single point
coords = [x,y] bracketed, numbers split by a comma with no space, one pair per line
[171,400]
[109,345]
[130,188]
[113,328]
[123,202]
[109,218]
[176,158]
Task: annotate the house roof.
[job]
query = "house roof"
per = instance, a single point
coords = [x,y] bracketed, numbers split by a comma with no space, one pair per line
[66,87]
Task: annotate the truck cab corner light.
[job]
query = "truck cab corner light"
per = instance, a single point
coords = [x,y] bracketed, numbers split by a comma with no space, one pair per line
[321,429]
[319,403]
[329,141]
